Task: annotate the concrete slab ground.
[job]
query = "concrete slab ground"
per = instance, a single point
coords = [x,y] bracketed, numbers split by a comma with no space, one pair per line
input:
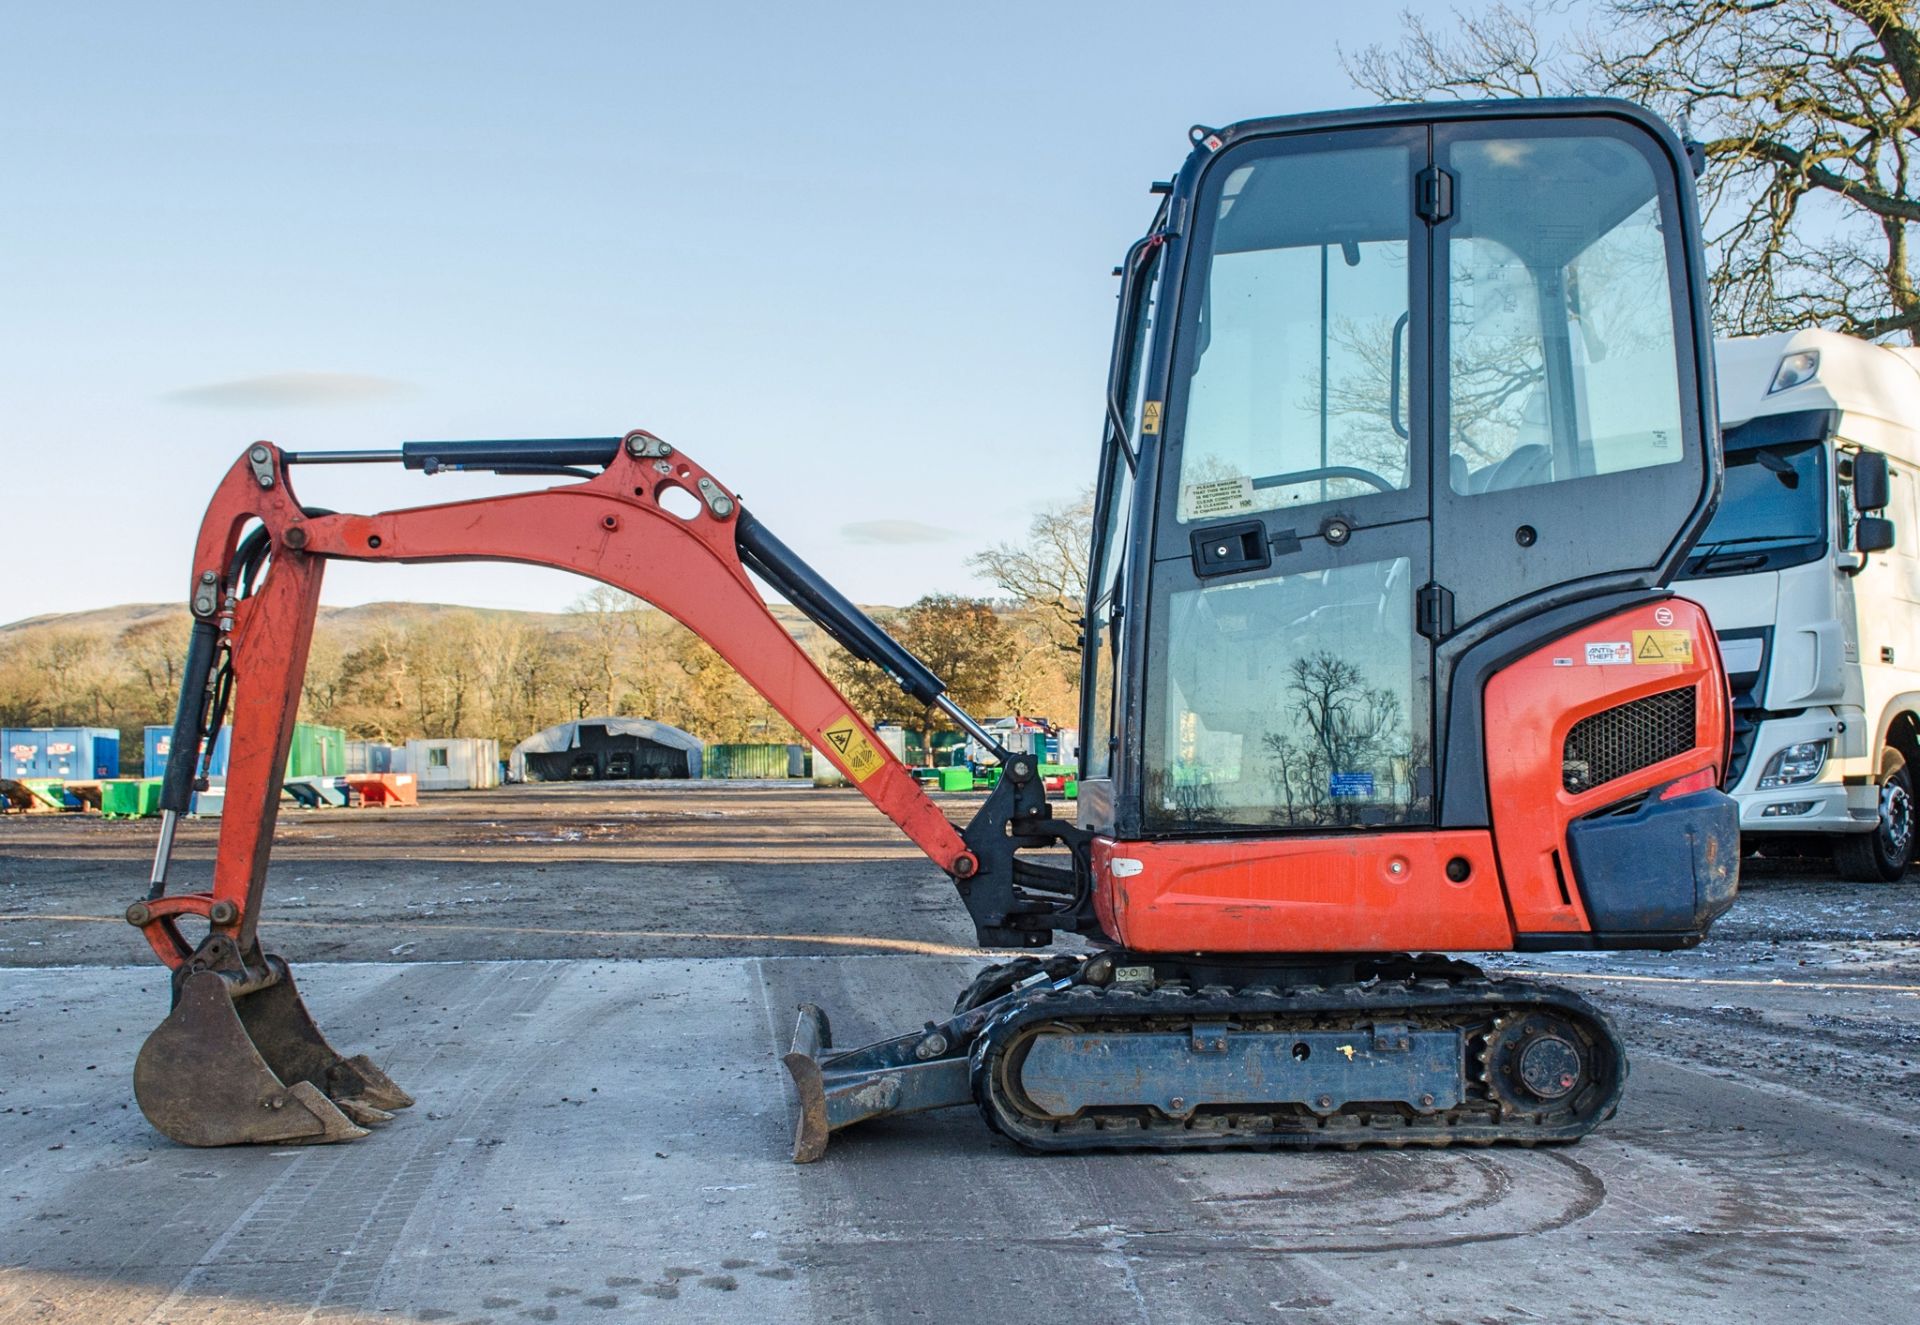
[606,1141]
[602,1127]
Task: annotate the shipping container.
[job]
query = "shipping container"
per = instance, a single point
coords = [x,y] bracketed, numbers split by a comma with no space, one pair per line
[894,738]
[317,752]
[155,746]
[454,763]
[755,761]
[824,773]
[369,757]
[78,754]
[159,750]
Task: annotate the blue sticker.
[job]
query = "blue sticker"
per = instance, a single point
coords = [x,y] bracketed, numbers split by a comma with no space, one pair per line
[1350,784]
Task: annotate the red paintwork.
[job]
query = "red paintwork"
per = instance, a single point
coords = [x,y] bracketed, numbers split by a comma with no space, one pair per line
[610,528]
[1340,894]
[385,788]
[162,929]
[1530,706]
[1303,894]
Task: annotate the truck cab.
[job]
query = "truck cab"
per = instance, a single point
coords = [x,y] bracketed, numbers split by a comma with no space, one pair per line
[1810,574]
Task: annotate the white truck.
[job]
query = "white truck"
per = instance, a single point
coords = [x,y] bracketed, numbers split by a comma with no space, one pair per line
[1810,571]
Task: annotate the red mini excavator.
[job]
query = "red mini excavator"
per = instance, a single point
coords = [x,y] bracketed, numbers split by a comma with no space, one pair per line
[1410,420]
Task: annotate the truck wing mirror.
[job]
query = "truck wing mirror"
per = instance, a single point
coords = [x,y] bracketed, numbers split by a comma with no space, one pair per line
[1871,485]
[1873,533]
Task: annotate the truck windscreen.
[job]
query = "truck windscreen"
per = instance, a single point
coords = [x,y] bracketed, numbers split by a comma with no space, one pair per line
[1772,512]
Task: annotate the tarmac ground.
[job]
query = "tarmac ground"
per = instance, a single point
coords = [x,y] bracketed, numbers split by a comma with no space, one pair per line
[586,989]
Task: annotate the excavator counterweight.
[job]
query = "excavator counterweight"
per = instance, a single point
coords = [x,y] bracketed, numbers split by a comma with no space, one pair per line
[1409,424]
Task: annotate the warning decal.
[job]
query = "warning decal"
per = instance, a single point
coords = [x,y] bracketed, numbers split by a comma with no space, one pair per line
[855,750]
[1662,646]
[1150,418]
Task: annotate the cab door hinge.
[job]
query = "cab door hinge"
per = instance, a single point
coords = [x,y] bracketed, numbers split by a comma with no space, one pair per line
[1433,611]
[1433,195]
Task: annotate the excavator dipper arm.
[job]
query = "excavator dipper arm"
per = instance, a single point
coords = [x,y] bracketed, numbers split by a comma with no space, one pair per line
[239,1059]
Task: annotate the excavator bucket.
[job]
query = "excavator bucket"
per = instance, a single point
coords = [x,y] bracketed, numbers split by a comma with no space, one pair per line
[253,1068]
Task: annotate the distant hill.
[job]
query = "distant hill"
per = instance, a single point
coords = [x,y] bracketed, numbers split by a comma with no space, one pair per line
[346,624]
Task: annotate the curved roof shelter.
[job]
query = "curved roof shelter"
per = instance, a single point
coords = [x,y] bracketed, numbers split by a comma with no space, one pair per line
[599,749]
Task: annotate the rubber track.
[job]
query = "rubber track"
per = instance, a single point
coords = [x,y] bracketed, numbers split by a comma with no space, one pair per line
[1476,1004]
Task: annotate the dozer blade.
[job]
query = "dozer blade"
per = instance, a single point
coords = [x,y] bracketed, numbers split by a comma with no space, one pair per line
[908,1074]
[223,1070]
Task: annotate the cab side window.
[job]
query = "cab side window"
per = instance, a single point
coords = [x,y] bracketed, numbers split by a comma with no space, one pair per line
[1561,345]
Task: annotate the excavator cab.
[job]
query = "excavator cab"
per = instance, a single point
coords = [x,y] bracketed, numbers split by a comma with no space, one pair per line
[1399,397]
[1410,421]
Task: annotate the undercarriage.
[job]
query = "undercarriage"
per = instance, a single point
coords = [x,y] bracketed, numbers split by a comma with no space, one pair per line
[1119,1051]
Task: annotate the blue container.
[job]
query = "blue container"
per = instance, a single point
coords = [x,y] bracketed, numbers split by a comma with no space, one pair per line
[23,752]
[160,741]
[155,748]
[78,754]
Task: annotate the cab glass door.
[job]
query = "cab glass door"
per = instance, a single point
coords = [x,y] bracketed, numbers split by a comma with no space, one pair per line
[1289,687]
[1569,449]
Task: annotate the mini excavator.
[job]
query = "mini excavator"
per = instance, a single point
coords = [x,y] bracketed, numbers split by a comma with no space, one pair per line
[1410,421]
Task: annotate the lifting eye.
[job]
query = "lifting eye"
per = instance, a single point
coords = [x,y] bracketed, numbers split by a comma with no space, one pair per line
[1302,1051]
[676,500]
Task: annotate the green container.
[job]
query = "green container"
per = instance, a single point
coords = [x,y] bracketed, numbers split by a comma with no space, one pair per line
[956,779]
[1070,790]
[747,761]
[318,752]
[130,798]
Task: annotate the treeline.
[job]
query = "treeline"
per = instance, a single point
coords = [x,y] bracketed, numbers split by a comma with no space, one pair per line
[459,672]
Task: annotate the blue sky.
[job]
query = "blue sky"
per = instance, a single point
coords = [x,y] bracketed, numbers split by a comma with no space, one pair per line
[854,258]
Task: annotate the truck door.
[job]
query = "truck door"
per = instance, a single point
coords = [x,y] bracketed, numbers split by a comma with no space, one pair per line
[1424,382]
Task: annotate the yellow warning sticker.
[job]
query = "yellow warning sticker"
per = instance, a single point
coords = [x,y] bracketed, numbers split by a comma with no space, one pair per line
[1663,646]
[844,737]
[1150,418]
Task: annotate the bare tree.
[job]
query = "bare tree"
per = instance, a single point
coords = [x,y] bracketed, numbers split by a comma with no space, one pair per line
[609,619]
[1808,111]
[1047,572]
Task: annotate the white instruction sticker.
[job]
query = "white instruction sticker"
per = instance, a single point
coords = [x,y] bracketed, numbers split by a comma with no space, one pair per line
[1220,496]
[1609,655]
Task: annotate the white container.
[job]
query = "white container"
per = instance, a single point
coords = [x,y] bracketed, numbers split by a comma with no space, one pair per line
[453,763]
[824,773]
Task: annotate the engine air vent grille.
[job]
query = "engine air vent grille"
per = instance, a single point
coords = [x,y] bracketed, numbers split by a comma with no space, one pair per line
[1627,738]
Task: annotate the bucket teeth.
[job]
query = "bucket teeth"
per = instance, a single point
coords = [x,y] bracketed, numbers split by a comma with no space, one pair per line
[255,1069]
[362,1113]
[359,1079]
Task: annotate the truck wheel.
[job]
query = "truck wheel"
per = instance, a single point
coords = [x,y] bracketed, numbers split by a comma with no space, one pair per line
[1883,855]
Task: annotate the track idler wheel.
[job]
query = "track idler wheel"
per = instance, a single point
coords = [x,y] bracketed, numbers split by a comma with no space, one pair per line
[253,1068]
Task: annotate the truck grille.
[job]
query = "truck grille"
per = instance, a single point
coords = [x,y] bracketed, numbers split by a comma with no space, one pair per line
[1627,738]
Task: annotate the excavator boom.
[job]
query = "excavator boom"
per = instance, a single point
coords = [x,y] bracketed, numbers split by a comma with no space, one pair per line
[257,576]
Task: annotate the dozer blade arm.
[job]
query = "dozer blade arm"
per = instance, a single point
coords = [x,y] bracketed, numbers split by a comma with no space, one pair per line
[256,588]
